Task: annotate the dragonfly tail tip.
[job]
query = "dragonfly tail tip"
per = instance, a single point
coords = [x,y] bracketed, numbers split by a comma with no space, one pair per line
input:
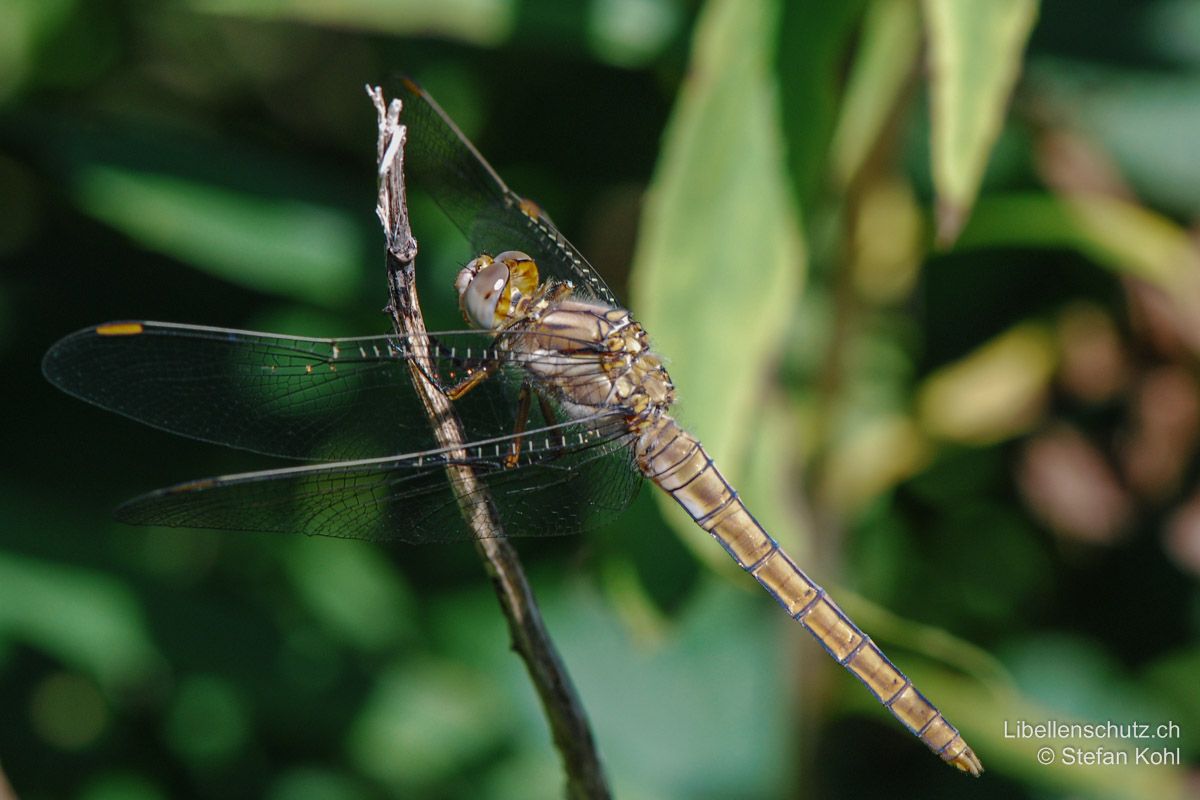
[967,761]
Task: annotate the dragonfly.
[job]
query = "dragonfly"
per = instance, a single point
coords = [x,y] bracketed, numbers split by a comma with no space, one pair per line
[566,405]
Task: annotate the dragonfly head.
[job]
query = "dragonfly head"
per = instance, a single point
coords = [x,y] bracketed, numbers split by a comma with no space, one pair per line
[492,291]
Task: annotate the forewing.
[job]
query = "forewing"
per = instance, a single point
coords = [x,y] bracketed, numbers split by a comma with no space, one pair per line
[441,161]
[296,397]
[567,477]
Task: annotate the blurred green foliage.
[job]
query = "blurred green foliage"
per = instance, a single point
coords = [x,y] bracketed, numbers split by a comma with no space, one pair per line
[989,444]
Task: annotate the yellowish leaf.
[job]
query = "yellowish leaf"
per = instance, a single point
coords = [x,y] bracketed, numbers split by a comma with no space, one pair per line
[975,53]
[718,266]
[993,393]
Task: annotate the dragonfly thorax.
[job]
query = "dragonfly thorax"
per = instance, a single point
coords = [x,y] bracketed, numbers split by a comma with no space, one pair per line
[493,291]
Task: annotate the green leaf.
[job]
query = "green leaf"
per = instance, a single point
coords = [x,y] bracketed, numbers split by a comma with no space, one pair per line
[317,783]
[886,56]
[813,38]
[286,247]
[1144,120]
[25,27]
[424,722]
[984,718]
[995,392]
[480,22]
[975,56]
[1122,236]
[85,619]
[987,704]
[1172,682]
[208,721]
[630,33]
[354,591]
[121,784]
[703,732]
[720,250]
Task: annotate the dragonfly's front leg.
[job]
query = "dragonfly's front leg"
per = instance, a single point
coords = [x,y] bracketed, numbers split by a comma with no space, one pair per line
[471,381]
[548,412]
[550,415]
[523,405]
[477,377]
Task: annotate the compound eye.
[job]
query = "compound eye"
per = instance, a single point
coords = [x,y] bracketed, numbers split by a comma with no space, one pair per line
[468,273]
[522,278]
[483,293]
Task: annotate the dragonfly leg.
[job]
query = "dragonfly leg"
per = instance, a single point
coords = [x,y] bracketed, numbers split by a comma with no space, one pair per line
[470,382]
[548,412]
[523,403]
[551,416]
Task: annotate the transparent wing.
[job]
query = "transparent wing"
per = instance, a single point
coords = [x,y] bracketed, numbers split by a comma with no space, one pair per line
[296,397]
[441,161]
[568,477]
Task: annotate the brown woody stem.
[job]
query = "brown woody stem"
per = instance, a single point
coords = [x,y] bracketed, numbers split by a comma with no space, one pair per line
[568,721]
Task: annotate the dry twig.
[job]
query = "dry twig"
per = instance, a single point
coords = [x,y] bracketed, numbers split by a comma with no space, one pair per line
[568,722]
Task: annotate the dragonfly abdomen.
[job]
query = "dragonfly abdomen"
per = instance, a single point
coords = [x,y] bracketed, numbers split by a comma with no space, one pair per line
[678,463]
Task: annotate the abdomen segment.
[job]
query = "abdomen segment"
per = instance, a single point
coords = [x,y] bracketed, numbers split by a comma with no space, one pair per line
[676,461]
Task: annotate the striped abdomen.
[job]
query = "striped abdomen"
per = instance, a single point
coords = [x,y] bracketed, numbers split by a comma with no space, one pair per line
[676,461]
